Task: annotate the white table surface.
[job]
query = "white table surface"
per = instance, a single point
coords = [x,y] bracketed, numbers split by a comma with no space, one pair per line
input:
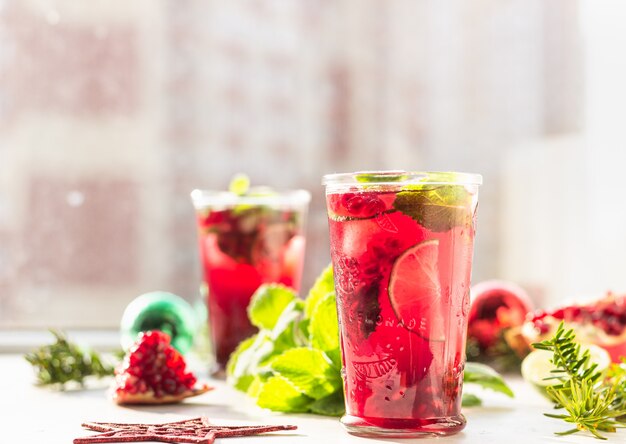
[30,414]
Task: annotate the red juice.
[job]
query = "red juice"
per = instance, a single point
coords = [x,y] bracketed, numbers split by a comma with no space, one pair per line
[402,258]
[242,246]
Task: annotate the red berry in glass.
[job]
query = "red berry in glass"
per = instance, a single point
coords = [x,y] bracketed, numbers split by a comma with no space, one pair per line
[241,247]
[402,260]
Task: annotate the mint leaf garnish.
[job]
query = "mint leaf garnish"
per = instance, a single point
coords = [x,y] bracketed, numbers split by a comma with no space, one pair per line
[323,285]
[486,377]
[267,304]
[331,405]
[254,388]
[293,364]
[309,371]
[471,400]
[241,381]
[287,331]
[324,329]
[436,207]
[239,184]
[279,394]
[377,177]
[250,359]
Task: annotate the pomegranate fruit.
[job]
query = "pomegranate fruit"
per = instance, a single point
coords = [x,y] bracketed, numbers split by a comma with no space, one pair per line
[154,372]
[602,322]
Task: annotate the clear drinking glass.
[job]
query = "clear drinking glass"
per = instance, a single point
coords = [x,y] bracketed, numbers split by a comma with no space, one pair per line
[401,245]
[245,241]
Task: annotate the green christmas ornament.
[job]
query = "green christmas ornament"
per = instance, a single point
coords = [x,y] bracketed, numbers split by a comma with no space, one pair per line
[159,310]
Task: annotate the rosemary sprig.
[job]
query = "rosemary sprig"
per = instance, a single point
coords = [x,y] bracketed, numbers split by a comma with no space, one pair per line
[588,408]
[63,362]
[593,403]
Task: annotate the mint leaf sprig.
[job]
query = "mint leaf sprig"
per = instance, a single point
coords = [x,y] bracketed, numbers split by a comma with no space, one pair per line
[485,377]
[293,363]
[437,207]
[592,403]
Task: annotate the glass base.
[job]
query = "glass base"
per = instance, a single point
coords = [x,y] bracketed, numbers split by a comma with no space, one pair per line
[403,428]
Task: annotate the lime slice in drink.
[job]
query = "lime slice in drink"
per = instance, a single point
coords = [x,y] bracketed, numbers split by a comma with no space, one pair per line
[415,292]
[536,367]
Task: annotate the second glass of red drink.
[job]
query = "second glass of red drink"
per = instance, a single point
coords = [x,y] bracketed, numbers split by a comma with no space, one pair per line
[246,240]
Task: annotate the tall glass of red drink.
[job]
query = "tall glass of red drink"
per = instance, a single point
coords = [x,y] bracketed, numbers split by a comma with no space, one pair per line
[245,241]
[401,245]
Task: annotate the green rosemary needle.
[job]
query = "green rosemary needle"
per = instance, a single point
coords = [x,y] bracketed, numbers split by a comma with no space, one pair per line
[592,402]
[63,362]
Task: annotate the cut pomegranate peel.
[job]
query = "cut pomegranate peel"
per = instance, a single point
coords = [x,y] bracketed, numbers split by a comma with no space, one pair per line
[602,322]
[154,372]
[121,397]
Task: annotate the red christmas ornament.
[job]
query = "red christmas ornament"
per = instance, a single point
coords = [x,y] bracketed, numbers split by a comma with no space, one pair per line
[496,306]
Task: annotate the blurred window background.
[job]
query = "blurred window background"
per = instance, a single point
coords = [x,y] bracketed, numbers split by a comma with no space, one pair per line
[111,112]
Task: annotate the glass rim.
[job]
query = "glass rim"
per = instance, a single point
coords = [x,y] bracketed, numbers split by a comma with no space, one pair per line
[401,177]
[202,198]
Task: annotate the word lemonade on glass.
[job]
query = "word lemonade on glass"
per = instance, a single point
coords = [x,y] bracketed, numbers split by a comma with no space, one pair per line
[246,238]
[401,246]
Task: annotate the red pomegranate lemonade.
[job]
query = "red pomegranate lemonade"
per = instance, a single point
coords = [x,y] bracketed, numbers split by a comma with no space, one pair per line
[243,243]
[401,246]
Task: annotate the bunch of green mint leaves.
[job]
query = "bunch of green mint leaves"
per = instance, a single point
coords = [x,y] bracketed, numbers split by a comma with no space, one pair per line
[293,364]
